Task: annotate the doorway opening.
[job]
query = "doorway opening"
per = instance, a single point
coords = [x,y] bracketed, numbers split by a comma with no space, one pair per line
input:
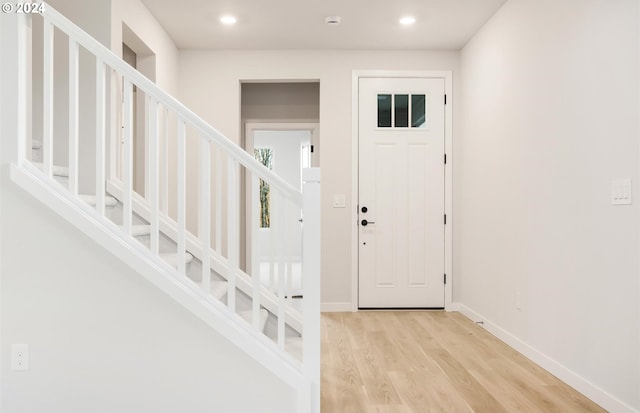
[139,56]
[402,164]
[281,130]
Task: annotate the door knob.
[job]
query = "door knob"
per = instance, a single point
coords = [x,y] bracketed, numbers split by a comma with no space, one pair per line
[364,222]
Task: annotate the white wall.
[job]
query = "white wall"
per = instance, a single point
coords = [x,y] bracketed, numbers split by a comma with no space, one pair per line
[280,101]
[550,117]
[101,337]
[138,18]
[209,84]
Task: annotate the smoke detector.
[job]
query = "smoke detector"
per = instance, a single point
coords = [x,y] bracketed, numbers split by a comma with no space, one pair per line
[332,20]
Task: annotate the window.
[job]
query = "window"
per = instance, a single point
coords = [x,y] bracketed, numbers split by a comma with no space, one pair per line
[402,110]
[418,111]
[384,111]
[265,157]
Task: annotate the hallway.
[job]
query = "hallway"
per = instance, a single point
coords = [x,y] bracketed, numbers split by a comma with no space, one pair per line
[431,361]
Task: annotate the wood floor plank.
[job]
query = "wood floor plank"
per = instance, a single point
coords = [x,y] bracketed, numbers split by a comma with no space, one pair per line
[340,351]
[478,398]
[427,393]
[378,386]
[431,361]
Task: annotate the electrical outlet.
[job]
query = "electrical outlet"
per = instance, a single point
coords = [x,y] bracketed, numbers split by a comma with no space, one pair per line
[518,301]
[19,357]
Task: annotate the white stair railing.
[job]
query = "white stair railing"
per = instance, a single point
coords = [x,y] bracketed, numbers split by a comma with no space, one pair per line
[197,206]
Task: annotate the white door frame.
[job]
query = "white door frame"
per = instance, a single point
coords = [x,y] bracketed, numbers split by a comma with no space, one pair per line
[447,75]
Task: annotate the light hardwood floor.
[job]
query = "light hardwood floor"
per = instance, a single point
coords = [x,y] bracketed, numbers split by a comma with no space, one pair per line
[431,361]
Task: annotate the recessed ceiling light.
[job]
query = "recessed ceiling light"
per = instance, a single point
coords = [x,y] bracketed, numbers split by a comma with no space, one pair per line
[228,20]
[332,20]
[407,20]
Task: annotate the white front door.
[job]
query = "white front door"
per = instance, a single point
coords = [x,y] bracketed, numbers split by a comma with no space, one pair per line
[401,192]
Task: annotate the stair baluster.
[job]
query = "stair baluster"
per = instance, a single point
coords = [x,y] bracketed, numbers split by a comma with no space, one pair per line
[74,116]
[47,99]
[255,251]
[153,169]
[232,230]
[100,135]
[127,174]
[182,193]
[204,219]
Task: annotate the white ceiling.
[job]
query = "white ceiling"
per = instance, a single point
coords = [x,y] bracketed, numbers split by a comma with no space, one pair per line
[299,24]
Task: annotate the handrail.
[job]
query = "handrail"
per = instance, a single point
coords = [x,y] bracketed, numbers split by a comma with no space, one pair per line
[141,81]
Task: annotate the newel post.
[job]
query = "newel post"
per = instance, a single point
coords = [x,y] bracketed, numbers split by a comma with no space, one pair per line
[311,282]
[15,59]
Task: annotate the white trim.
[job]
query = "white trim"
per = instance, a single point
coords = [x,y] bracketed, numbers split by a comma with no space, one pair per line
[2,172]
[312,258]
[573,379]
[345,307]
[638,191]
[447,75]
[251,125]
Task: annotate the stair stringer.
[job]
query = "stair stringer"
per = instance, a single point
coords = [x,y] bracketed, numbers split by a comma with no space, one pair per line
[161,275]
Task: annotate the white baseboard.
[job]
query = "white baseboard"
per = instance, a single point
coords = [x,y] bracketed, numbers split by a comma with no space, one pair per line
[452,307]
[584,386]
[336,307]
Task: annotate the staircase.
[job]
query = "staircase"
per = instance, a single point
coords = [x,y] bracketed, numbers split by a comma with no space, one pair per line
[184,227]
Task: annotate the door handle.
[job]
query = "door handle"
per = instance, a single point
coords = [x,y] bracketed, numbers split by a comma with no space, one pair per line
[364,222]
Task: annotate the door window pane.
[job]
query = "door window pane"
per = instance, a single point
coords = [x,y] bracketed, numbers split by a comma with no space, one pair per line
[402,111]
[384,111]
[418,111]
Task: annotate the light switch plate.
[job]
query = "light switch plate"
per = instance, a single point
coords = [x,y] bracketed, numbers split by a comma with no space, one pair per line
[339,201]
[621,192]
